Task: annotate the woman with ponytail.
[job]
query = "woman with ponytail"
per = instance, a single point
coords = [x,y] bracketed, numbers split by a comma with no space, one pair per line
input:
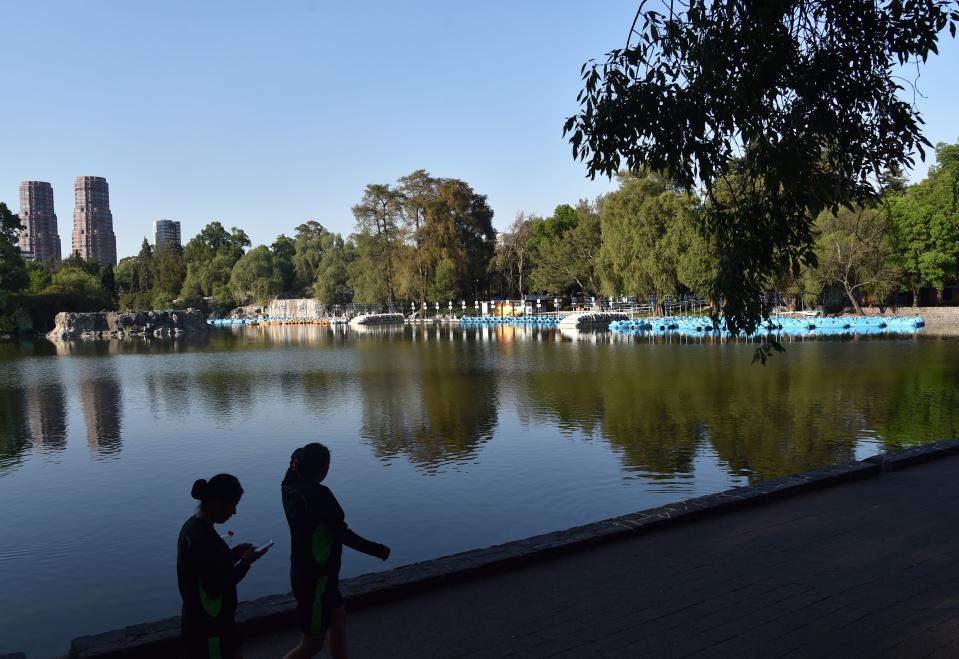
[208,571]
[318,532]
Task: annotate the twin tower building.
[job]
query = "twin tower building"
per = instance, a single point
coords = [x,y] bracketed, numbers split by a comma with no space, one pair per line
[93,237]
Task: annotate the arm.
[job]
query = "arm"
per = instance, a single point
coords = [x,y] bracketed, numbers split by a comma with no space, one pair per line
[239,567]
[359,543]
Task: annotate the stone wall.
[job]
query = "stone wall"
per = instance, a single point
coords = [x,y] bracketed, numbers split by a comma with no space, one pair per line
[127,324]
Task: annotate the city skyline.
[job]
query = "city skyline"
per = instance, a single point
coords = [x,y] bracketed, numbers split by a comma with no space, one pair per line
[268,137]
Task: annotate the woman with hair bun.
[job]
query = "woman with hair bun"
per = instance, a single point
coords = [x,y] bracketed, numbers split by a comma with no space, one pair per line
[208,571]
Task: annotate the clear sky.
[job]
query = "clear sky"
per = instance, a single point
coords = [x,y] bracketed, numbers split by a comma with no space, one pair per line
[266,114]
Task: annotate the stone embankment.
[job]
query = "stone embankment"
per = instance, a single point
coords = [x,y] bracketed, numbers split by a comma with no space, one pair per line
[127,324]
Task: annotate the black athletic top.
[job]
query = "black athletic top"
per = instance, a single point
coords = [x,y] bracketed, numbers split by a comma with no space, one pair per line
[207,574]
[318,530]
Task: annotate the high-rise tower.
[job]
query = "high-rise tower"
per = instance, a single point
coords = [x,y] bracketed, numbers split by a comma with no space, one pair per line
[93,236]
[166,231]
[39,239]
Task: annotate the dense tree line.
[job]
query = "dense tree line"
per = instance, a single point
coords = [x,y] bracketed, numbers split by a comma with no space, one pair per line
[432,239]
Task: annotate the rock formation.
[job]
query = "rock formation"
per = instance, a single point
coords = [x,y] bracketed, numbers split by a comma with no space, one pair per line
[127,324]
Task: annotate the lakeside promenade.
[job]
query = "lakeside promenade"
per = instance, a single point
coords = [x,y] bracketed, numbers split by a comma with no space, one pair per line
[864,569]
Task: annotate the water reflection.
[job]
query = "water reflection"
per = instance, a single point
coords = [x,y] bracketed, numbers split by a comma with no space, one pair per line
[14,426]
[435,394]
[429,399]
[47,405]
[102,403]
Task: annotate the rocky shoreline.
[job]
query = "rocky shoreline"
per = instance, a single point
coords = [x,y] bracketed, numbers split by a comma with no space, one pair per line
[127,324]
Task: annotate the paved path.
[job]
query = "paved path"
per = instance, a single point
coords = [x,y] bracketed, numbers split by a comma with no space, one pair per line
[861,570]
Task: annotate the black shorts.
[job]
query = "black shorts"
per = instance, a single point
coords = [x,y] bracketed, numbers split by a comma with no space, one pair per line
[315,601]
[221,644]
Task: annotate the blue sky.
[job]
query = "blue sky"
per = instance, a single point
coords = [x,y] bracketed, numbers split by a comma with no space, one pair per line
[266,114]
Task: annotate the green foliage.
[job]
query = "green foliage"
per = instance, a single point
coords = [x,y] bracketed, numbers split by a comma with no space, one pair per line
[39,275]
[854,252]
[926,225]
[256,276]
[170,270]
[564,250]
[647,226]
[798,100]
[75,282]
[284,250]
[332,274]
[210,257]
[378,218]
[13,270]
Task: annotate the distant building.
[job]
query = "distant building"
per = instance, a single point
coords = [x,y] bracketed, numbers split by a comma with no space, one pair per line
[39,239]
[93,237]
[166,231]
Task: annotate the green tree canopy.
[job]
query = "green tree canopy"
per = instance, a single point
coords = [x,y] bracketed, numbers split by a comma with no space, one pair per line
[210,257]
[77,283]
[798,97]
[926,225]
[854,252]
[256,276]
[646,227]
[564,250]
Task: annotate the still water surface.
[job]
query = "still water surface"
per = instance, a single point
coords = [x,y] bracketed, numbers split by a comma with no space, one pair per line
[443,440]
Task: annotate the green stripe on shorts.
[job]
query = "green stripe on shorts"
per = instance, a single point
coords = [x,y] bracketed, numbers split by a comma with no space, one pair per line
[318,592]
[213,648]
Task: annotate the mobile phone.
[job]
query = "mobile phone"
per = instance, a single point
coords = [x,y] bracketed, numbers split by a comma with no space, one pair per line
[266,545]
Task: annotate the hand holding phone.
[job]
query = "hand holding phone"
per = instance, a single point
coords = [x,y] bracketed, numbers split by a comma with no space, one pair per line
[264,547]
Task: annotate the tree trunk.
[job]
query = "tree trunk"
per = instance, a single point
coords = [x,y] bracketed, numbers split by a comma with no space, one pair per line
[852,298]
[915,297]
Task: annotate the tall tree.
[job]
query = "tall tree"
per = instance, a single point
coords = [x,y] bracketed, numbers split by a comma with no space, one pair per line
[512,254]
[800,96]
[417,191]
[854,252]
[210,257]
[640,253]
[565,248]
[926,225]
[332,275]
[256,276]
[13,270]
[378,218]
[170,267]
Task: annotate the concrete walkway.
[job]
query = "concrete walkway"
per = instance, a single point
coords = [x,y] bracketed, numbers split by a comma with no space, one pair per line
[867,569]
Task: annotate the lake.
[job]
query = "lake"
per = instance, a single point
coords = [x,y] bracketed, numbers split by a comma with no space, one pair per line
[443,439]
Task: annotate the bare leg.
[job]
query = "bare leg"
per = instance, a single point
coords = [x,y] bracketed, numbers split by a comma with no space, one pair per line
[310,646]
[338,633]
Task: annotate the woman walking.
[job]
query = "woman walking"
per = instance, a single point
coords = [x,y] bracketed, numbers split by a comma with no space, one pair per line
[208,571]
[318,532]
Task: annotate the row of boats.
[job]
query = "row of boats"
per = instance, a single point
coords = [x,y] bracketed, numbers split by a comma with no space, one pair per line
[775,325]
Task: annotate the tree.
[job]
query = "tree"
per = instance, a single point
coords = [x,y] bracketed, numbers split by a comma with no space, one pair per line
[39,274]
[13,270]
[512,254]
[170,270]
[332,275]
[854,252]
[926,225]
[210,257]
[309,246]
[459,232]
[284,251]
[256,276]
[641,246]
[564,249]
[77,283]
[417,191]
[378,219]
[799,97]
